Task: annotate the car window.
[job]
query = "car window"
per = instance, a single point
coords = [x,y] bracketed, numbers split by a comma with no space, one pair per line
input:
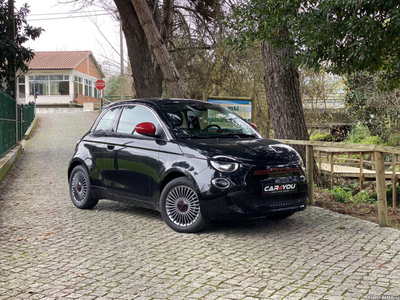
[203,120]
[106,122]
[133,115]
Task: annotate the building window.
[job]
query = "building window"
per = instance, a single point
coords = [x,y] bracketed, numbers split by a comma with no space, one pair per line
[49,85]
[78,86]
[21,87]
[85,87]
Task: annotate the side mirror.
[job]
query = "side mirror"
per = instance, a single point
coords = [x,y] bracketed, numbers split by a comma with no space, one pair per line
[146,128]
[254,126]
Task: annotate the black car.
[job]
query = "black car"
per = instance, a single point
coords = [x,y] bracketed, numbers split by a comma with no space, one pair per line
[191,160]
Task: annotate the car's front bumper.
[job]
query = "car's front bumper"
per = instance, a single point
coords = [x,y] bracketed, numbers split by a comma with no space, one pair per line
[240,203]
[250,192]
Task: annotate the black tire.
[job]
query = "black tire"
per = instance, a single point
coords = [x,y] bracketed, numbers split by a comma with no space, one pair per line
[80,188]
[180,206]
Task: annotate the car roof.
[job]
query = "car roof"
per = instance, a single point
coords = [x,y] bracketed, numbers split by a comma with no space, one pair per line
[154,101]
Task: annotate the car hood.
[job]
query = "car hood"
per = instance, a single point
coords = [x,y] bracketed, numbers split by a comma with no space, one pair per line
[250,151]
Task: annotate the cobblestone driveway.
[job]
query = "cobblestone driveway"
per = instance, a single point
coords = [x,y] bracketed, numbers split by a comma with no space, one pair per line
[51,250]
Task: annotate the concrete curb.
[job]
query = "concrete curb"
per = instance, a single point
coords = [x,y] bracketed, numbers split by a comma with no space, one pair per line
[8,160]
[12,156]
[31,129]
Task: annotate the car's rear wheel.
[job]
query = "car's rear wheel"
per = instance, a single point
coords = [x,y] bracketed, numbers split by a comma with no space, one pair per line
[80,188]
[180,206]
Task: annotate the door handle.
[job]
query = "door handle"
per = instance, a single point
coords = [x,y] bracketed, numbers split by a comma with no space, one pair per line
[110,147]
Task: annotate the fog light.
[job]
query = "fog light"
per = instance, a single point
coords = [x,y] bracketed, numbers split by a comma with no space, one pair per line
[221,183]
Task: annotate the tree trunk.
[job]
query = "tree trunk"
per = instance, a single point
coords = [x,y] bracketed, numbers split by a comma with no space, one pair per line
[282,86]
[164,59]
[147,74]
[166,29]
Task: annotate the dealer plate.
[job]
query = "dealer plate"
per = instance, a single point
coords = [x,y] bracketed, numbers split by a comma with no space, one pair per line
[279,188]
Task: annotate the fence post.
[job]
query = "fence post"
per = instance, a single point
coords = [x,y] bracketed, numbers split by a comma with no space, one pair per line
[381,189]
[361,170]
[310,172]
[394,181]
[332,171]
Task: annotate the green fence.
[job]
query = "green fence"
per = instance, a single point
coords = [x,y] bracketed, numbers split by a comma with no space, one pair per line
[12,114]
[26,114]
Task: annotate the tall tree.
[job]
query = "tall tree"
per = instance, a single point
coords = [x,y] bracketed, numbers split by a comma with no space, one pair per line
[351,36]
[12,49]
[268,21]
[282,85]
[342,36]
[159,49]
[146,72]
[149,28]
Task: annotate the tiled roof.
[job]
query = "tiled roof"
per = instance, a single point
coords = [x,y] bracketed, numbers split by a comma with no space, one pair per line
[58,60]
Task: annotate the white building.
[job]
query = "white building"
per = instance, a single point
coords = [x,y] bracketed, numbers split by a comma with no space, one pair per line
[60,77]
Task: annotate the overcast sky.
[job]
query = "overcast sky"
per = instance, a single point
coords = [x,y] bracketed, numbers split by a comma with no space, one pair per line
[67,30]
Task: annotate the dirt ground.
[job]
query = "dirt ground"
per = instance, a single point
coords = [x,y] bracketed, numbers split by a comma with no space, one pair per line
[362,210]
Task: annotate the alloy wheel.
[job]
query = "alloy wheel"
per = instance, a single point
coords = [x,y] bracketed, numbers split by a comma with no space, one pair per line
[182,206]
[79,187]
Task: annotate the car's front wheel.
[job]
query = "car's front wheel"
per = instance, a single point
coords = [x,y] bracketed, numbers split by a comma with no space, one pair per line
[80,188]
[180,206]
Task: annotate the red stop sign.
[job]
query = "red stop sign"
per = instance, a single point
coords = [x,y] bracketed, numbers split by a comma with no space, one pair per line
[100,84]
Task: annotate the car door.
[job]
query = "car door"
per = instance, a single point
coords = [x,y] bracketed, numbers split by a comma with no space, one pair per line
[95,143]
[133,171]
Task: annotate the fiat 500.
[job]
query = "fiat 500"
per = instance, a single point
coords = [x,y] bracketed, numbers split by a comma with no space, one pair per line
[193,161]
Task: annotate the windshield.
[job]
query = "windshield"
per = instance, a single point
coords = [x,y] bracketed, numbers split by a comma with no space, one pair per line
[204,120]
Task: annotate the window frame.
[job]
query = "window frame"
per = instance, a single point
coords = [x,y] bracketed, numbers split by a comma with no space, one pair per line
[113,123]
[160,132]
[48,84]
[85,86]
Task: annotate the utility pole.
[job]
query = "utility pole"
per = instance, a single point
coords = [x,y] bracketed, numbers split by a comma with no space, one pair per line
[122,61]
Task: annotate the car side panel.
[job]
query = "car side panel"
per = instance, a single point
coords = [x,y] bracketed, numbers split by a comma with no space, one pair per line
[90,151]
[172,160]
[130,166]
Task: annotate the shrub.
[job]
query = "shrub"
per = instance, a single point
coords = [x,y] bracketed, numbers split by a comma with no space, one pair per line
[342,195]
[389,196]
[360,135]
[323,137]
[393,140]
[363,197]
[373,140]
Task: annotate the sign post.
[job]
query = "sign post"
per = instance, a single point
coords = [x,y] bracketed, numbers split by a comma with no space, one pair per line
[100,85]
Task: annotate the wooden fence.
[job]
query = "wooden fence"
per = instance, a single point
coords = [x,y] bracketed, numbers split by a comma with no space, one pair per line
[378,153]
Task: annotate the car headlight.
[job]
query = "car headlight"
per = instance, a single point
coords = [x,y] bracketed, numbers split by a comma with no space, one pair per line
[222,164]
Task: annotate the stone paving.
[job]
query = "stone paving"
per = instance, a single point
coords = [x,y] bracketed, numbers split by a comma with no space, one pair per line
[51,250]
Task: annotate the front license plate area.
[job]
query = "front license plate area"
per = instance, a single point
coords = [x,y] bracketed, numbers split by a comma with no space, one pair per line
[285,188]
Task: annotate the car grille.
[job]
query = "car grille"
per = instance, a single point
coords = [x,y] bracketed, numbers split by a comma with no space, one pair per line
[275,201]
[260,174]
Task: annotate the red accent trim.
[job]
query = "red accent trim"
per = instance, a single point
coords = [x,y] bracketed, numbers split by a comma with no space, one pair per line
[275,171]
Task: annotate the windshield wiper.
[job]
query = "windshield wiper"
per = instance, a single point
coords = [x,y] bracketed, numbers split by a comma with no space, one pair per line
[194,136]
[237,135]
